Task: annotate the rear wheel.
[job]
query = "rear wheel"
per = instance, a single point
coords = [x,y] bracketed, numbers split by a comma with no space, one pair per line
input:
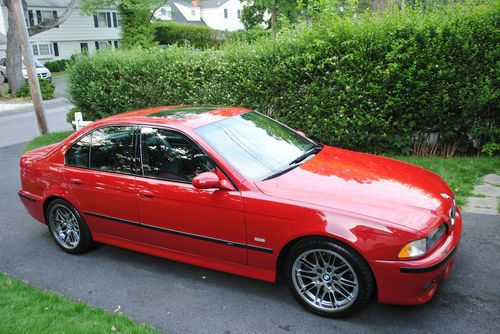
[67,227]
[328,278]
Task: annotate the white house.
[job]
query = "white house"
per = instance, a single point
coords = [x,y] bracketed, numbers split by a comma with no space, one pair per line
[78,33]
[216,14]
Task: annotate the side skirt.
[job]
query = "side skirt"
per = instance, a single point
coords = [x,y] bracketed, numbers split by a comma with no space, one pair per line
[232,268]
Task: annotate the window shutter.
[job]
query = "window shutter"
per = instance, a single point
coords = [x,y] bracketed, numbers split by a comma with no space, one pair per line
[115,23]
[38,17]
[96,45]
[56,49]
[96,22]
[31,19]
[54,15]
[110,43]
[116,44]
[108,16]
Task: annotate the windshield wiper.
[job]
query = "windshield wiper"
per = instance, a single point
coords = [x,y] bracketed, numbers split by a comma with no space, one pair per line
[308,153]
[294,163]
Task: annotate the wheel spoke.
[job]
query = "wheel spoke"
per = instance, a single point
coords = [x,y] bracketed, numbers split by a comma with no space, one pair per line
[347,282]
[307,263]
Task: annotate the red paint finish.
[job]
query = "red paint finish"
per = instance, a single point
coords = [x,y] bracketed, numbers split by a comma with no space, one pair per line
[373,204]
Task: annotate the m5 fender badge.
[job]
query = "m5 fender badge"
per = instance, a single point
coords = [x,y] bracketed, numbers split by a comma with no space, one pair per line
[445,196]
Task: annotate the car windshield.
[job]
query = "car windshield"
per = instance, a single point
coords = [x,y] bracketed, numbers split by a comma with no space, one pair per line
[257,146]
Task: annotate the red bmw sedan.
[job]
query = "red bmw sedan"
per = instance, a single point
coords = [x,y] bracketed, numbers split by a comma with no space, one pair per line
[231,189]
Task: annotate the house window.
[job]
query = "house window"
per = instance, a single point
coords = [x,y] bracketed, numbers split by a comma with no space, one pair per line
[84,47]
[102,19]
[47,15]
[226,13]
[43,50]
[107,19]
[118,20]
[193,12]
[103,45]
[239,13]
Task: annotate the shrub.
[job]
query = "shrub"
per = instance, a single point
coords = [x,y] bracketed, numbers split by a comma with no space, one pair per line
[373,83]
[170,33]
[46,87]
[57,65]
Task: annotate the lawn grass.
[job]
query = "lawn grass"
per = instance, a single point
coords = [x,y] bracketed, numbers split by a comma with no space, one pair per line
[461,173]
[58,74]
[26,309]
[47,139]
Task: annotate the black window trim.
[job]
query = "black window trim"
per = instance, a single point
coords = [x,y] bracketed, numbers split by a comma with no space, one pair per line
[134,134]
[137,169]
[191,140]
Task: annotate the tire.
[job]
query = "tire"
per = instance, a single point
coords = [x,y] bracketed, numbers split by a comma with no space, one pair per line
[61,216]
[328,278]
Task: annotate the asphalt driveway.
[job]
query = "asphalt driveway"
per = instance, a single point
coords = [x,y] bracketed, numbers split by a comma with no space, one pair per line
[179,298]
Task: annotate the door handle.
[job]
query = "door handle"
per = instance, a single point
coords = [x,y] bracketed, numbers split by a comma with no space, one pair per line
[146,193]
[76,181]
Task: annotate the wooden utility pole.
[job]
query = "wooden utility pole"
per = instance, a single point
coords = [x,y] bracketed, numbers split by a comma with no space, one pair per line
[29,62]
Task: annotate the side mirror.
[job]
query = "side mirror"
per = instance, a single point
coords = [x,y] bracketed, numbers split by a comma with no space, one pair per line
[210,180]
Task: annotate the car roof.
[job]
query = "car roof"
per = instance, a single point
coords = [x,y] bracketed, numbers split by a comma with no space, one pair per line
[180,116]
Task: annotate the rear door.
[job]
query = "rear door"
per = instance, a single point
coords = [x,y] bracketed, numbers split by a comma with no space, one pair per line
[100,173]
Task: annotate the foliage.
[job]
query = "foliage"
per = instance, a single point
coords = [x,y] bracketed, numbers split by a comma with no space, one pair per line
[46,87]
[268,12]
[491,149]
[56,65]
[136,18]
[170,33]
[373,83]
[25,309]
[202,37]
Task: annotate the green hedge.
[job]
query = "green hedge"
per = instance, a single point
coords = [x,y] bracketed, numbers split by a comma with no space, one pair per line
[47,89]
[57,65]
[199,36]
[374,83]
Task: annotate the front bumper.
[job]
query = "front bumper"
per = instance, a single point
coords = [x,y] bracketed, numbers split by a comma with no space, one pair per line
[416,281]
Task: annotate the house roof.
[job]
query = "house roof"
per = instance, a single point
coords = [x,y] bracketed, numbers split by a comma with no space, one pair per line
[48,3]
[203,3]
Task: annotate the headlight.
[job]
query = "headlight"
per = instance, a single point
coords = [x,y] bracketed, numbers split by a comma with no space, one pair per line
[413,249]
[420,247]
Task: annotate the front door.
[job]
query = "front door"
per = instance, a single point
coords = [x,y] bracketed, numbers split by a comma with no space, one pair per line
[100,174]
[177,216]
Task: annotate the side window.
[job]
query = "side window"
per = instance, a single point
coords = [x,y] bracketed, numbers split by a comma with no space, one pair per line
[78,154]
[170,155]
[112,149]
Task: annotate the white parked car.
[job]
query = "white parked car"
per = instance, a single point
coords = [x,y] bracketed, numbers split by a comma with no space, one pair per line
[41,70]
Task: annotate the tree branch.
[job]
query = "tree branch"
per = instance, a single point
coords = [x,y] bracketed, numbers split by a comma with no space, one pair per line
[47,25]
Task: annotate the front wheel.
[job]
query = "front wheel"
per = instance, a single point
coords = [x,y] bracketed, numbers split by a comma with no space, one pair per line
[68,228]
[328,278]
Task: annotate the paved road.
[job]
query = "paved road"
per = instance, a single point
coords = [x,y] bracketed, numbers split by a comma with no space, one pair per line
[178,298]
[19,126]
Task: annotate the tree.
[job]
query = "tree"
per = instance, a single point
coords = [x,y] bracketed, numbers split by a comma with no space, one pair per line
[269,12]
[136,18]
[14,66]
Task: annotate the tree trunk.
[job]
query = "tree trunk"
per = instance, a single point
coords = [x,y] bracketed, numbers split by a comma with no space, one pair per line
[274,14]
[14,62]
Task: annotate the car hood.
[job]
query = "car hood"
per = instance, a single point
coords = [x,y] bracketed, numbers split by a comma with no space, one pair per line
[366,185]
